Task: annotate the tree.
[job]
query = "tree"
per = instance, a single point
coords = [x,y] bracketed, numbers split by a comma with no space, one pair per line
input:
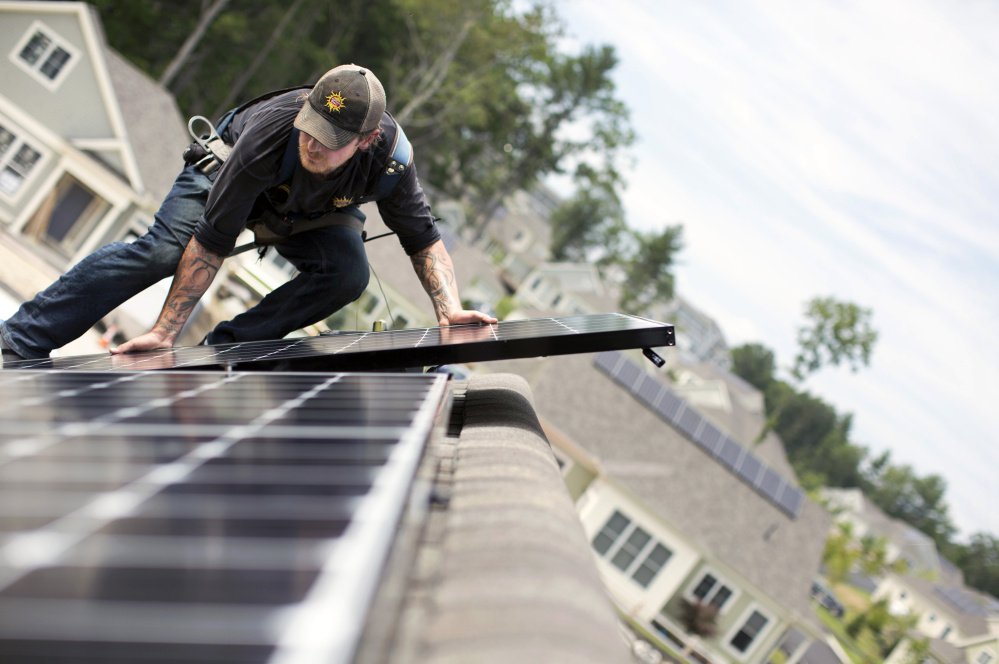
[485,91]
[590,225]
[979,561]
[755,364]
[837,332]
[919,501]
[648,272]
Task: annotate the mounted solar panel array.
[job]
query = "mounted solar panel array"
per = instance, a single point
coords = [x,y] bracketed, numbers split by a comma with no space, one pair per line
[394,349]
[200,516]
[678,413]
[968,602]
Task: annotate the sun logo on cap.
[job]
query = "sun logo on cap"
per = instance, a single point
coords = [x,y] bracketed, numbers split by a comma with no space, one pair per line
[334,102]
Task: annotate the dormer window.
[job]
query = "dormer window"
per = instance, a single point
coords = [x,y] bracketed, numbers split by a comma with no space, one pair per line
[44,55]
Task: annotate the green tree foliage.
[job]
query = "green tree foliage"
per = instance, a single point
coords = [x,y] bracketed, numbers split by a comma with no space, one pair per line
[835,333]
[755,364]
[979,561]
[591,224]
[481,87]
[648,271]
[919,501]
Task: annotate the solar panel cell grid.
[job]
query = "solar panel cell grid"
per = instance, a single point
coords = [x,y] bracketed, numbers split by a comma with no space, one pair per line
[204,511]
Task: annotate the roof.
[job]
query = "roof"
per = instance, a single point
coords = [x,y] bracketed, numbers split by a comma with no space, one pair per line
[971,609]
[914,546]
[153,123]
[724,517]
[508,571]
[741,412]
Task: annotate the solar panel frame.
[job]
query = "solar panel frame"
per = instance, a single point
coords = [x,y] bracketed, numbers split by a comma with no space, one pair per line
[393,350]
[63,531]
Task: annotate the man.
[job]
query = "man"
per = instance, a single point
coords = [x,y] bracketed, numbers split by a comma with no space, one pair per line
[344,144]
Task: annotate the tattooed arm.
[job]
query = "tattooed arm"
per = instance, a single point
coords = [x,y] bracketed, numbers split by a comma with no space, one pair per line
[436,272]
[195,272]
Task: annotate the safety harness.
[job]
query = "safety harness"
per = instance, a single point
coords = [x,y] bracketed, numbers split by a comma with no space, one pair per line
[269,226]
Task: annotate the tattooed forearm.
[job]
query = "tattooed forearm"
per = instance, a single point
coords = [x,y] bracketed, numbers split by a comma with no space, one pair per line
[436,272]
[195,273]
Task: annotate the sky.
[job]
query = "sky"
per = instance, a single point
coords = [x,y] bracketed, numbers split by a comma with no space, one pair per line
[833,148]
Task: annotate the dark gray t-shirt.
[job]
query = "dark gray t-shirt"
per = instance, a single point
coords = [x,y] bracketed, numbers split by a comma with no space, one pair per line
[259,135]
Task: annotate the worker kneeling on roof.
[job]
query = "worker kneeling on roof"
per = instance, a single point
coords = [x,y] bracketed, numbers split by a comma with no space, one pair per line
[293,165]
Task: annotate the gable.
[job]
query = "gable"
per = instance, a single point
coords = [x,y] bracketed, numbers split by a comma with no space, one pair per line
[35,36]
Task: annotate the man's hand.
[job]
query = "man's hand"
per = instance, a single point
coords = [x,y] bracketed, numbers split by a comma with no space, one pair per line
[195,272]
[467,316]
[152,340]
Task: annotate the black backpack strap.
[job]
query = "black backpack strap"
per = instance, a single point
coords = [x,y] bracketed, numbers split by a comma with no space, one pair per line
[289,160]
[400,159]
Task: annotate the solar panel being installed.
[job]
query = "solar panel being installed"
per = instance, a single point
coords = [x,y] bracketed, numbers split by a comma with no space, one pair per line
[394,349]
[682,416]
[178,516]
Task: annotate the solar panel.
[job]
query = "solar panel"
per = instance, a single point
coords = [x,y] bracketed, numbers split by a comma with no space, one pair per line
[678,413]
[729,453]
[690,422]
[200,516]
[648,390]
[709,437]
[770,484]
[394,349]
[791,500]
[669,405]
[749,469]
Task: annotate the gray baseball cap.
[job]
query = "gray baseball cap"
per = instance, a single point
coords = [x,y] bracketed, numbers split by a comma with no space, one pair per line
[346,102]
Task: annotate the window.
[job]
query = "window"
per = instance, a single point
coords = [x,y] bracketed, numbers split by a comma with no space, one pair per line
[631,549]
[17,159]
[44,55]
[749,631]
[983,658]
[710,590]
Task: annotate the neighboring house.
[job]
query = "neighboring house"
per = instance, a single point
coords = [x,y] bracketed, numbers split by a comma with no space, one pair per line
[955,614]
[564,289]
[902,540]
[698,337]
[671,523]
[518,236]
[89,145]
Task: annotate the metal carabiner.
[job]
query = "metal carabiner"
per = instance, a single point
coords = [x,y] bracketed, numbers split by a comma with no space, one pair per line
[213,144]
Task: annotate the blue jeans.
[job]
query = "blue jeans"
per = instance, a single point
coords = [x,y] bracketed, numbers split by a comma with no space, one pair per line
[332,265]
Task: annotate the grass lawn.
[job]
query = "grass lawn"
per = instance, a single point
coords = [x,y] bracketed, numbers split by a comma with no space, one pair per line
[861,651]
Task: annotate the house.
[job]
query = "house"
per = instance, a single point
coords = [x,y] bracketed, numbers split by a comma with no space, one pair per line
[89,145]
[699,339]
[961,624]
[564,289]
[673,527]
[903,542]
[517,237]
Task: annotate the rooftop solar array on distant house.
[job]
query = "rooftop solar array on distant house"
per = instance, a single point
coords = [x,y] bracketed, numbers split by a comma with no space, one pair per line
[395,349]
[658,397]
[200,516]
[968,602]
